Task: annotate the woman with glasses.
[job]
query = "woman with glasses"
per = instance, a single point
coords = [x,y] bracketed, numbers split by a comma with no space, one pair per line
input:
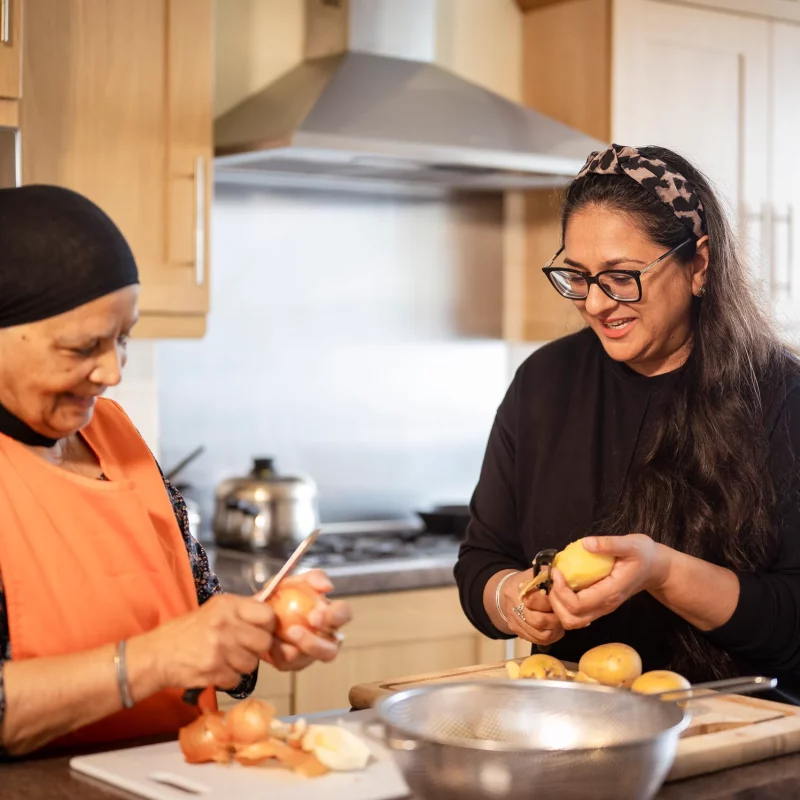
[666,433]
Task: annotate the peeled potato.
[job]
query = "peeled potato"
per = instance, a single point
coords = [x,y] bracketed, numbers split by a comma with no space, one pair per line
[581,568]
[336,748]
[512,668]
[542,667]
[659,680]
[582,677]
[612,665]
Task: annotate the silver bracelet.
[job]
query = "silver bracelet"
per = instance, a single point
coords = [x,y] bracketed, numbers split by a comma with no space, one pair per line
[497,594]
[122,676]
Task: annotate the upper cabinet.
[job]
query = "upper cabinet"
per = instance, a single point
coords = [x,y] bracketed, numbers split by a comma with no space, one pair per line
[779,9]
[716,86]
[784,206]
[118,106]
[10,49]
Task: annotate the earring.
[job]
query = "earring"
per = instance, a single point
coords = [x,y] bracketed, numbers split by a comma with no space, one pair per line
[701,291]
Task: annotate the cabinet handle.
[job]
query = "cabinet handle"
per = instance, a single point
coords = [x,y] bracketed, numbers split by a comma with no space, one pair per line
[200,221]
[18,158]
[789,247]
[788,220]
[765,221]
[5,21]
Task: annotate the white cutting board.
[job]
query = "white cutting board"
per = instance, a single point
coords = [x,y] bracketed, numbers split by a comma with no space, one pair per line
[142,771]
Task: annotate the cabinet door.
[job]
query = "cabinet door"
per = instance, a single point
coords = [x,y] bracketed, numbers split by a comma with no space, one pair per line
[108,111]
[11,48]
[780,9]
[785,175]
[183,285]
[697,81]
[394,635]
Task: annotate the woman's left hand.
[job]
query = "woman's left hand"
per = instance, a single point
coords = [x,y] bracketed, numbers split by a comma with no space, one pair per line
[641,564]
[305,647]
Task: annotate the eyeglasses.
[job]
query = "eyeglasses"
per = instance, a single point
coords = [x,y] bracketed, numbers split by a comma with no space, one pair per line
[622,285]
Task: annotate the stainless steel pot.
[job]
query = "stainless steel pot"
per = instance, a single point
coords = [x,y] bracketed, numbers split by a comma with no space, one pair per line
[264,510]
[519,740]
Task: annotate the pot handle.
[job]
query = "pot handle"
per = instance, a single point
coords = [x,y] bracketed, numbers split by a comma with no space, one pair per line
[377,730]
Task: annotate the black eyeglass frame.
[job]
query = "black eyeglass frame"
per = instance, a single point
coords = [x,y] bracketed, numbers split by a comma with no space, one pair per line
[636,274]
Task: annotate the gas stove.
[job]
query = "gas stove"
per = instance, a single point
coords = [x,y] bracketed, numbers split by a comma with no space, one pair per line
[358,557]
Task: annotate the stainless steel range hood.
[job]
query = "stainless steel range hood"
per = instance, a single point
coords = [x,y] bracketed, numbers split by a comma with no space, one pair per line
[374,121]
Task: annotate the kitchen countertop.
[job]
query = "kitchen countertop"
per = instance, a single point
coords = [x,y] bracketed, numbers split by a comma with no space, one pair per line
[243,572]
[52,779]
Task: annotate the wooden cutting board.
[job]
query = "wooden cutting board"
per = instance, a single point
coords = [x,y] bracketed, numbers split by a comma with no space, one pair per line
[724,731]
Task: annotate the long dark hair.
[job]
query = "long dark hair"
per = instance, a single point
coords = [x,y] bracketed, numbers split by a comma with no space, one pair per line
[704,485]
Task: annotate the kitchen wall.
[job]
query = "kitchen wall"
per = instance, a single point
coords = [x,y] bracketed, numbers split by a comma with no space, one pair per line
[356,339]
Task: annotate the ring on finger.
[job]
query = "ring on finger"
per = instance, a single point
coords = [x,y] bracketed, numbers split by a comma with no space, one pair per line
[518,611]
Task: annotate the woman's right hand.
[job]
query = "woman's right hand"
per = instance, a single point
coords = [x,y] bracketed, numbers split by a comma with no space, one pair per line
[540,625]
[212,646]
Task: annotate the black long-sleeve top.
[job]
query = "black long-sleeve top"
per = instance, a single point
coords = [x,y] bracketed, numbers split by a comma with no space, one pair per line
[563,440]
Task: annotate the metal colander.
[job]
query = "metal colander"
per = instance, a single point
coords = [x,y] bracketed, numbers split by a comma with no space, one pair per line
[517,739]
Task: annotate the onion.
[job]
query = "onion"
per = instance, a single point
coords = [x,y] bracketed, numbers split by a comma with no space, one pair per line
[249,721]
[205,739]
[306,764]
[253,755]
[292,602]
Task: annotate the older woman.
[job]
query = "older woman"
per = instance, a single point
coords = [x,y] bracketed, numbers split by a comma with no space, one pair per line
[666,432]
[108,609]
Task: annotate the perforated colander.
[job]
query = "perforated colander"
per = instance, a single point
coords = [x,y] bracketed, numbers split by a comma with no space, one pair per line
[521,740]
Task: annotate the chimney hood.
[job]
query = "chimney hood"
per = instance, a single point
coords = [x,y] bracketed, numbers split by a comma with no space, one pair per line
[368,110]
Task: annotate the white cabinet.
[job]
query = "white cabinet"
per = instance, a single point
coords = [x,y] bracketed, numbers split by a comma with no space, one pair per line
[697,81]
[779,9]
[784,208]
[722,89]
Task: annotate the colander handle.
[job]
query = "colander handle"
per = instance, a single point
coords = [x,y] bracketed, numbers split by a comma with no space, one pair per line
[377,730]
[748,685]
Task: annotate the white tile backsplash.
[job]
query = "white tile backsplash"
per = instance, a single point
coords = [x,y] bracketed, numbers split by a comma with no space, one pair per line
[137,393]
[356,340]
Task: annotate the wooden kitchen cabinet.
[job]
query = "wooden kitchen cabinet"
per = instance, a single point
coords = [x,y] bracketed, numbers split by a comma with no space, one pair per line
[118,106]
[395,634]
[716,86]
[11,49]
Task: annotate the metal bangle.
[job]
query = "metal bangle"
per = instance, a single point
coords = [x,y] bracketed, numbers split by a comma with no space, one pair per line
[122,676]
[497,594]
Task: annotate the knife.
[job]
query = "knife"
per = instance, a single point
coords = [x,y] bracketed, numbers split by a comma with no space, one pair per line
[192,696]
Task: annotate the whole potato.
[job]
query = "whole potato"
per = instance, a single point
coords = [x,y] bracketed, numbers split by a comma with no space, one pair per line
[612,665]
[543,667]
[659,680]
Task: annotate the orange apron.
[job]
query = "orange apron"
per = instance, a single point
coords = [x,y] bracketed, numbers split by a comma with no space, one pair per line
[88,562]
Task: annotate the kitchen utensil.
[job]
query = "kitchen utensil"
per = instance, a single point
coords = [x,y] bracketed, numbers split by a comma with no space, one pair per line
[159,772]
[184,462]
[543,563]
[192,696]
[264,511]
[268,590]
[446,519]
[741,685]
[518,739]
[724,731]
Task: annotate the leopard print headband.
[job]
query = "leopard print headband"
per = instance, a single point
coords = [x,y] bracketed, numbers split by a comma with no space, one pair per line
[658,178]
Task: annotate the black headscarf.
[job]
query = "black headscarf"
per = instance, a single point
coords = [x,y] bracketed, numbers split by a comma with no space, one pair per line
[58,251]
